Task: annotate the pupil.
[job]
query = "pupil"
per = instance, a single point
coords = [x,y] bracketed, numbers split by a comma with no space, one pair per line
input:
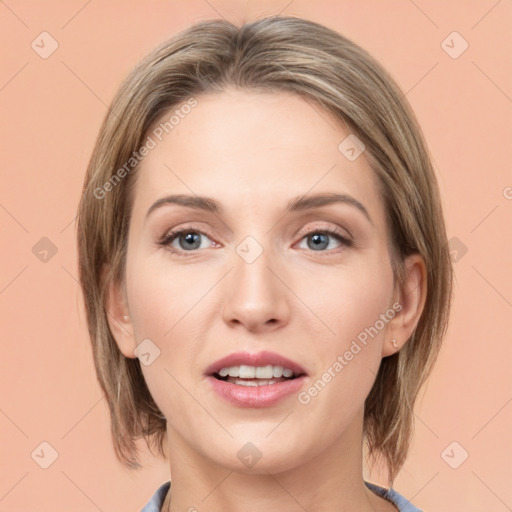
[316,239]
[189,238]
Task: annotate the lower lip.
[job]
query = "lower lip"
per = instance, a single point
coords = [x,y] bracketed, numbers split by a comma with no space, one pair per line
[256,396]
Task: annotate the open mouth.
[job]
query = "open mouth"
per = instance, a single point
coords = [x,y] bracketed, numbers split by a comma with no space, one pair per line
[253,380]
[245,375]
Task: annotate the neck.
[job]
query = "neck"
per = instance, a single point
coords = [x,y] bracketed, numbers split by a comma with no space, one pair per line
[331,480]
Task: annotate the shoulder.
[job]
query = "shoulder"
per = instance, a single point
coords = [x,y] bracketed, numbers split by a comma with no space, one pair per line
[401,502]
[157,500]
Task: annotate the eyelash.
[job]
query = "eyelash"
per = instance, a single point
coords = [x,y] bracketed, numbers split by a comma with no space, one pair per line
[170,236]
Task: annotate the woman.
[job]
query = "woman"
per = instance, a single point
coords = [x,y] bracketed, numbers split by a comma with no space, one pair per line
[265,268]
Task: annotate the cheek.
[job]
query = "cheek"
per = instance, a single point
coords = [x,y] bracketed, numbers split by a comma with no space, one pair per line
[165,306]
[160,296]
[162,310]
[348,352]
[347,300]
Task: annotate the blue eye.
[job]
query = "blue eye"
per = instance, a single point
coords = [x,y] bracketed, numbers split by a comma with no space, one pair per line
[320,240]
[189,240]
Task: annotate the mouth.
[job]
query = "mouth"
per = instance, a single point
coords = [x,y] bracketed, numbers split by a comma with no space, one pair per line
[255,380]
[246,375]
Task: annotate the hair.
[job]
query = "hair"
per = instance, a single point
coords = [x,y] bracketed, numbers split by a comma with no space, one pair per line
[272,54]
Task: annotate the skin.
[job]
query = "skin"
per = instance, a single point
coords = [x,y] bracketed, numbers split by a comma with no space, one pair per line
[253,152]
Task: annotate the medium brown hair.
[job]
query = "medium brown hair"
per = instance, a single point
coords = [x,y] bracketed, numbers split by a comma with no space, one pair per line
[278,53]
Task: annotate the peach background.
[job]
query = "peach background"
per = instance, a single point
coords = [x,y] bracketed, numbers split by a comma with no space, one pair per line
[52,109]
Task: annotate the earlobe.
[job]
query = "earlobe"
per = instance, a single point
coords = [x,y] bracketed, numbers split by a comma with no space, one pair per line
[411,299]
[118,317]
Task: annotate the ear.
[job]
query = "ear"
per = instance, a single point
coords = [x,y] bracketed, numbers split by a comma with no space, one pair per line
[409,303]
[118,315]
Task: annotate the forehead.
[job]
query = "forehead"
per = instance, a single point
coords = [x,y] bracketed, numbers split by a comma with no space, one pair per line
[252,148]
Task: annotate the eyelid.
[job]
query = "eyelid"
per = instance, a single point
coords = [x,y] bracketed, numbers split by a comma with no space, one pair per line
[333,231]
[321,227]
[174,232]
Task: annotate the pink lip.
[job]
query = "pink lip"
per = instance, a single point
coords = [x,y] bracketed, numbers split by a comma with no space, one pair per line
[260,359]
[255,396]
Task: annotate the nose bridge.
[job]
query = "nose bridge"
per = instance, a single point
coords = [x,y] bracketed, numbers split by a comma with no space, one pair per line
[256,297]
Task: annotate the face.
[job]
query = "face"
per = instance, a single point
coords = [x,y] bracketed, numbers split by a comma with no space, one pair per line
[308,288]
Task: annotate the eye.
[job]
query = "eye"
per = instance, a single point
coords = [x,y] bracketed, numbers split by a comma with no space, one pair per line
[187,240]
[318,240]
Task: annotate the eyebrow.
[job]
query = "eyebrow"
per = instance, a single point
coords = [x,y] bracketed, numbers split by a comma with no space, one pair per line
[301,203]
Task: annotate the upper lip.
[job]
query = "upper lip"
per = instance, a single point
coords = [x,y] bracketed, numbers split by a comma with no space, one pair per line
[258,359]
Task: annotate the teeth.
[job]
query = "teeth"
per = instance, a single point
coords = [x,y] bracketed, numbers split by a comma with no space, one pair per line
[246,372]
[259,372]
[242,382]
[277,371]
[264,372]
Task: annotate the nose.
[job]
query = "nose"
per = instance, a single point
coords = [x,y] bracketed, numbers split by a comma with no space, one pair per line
[256,296]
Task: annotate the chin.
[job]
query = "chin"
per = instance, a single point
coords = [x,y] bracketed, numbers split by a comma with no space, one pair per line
[260,456]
